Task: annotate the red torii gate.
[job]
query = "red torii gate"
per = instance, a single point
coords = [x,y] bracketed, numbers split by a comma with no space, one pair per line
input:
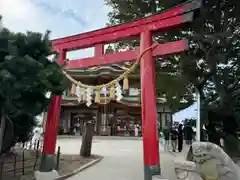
[144,28]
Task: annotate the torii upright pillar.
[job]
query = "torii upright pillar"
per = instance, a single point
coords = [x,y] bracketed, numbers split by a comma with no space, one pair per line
[51,128]
[149,111]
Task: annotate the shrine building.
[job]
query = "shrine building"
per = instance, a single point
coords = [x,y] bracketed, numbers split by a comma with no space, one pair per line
[111,117]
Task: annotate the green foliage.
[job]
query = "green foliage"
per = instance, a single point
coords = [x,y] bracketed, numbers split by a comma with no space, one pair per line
[26,75]
[216,51]
[212,65]
[217,42]
[174,88]
[23,125]
[130,10]
[190,121]
[169,81]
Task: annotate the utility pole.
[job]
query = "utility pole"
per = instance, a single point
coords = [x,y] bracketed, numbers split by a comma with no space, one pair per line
[198,121]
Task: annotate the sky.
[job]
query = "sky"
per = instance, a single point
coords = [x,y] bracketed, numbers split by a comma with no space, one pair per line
[190,112]
[62,18]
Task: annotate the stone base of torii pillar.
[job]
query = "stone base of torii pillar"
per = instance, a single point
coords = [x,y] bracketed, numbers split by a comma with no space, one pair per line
[46,175]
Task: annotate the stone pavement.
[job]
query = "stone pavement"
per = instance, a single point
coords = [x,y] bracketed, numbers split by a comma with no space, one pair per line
[123,159]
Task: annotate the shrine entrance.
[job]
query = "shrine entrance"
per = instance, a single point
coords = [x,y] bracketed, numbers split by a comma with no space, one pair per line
[143,28]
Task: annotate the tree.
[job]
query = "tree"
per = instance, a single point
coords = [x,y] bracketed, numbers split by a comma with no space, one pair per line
[26,75]
[218,50]
[189,121]
[87,137]
[167,71]
[212,64]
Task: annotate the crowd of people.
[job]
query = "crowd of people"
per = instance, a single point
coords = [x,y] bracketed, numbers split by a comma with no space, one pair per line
[175,137]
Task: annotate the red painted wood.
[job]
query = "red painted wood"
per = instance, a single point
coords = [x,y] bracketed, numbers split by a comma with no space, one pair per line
[52,123]
[148,98]
[161,50]
[126,33]
[50,134]
[99,50]
[176,11]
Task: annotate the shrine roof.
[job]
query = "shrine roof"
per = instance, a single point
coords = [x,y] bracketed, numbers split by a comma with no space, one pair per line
[106,70]
[112,67]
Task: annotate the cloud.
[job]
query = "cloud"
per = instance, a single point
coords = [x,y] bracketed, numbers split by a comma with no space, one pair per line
[63,18]
[66,13]
[20,15]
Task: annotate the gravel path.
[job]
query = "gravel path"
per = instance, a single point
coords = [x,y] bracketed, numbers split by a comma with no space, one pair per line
[122,159]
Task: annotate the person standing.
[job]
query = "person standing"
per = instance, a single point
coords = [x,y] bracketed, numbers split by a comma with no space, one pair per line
[180,138]
[188,131]
[136,130]
[166,135]
[174,135]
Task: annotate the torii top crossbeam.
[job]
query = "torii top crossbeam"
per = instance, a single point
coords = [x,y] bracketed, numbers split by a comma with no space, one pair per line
[169,19]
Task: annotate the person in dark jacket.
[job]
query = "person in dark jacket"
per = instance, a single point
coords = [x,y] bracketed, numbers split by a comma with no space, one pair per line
[166,135]
[188,133]
[174,137]
[180,137]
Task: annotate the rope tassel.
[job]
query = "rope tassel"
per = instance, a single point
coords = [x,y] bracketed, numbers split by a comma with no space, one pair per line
[84,95]
[97,96]
[112,92]
[125,83]
[73,89]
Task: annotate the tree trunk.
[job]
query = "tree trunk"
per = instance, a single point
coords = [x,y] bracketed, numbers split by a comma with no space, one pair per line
[231,141]
[2,132]
[202,107]
[81,127]
[87,140]
[213,135]
[2,156]
[7,135]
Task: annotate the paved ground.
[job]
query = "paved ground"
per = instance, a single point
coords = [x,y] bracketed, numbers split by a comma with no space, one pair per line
[122,159]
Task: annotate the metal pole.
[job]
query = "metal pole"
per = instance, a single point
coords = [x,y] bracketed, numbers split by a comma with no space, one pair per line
[198,122]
